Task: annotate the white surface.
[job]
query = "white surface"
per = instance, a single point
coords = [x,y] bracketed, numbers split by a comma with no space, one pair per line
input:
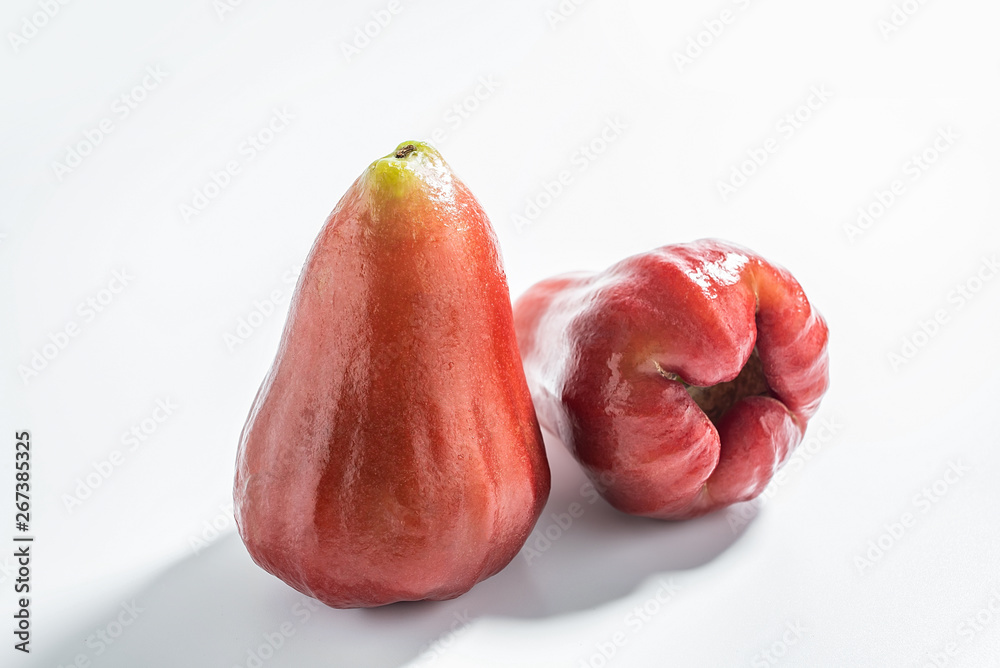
[789,575]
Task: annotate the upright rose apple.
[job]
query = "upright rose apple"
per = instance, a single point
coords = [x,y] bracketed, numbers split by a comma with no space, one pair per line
[392,452]
[680,379]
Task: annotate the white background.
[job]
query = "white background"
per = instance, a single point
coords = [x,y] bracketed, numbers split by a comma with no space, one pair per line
[728,590]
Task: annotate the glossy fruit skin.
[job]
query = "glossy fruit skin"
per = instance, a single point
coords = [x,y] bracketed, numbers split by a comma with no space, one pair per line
[392,452]
[606,354]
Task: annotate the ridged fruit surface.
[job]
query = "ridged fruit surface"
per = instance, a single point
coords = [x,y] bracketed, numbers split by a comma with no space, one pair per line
[681,378]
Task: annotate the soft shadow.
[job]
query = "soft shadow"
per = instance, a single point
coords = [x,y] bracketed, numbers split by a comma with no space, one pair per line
[219,609]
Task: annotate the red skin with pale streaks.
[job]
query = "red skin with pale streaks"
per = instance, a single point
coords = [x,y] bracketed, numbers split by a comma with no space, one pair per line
[608,357]
[392,452]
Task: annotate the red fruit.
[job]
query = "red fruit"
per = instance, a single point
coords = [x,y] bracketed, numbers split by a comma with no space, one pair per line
[680,379]
[392,452]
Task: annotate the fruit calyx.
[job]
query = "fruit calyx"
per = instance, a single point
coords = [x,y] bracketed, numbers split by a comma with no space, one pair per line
[716,400]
